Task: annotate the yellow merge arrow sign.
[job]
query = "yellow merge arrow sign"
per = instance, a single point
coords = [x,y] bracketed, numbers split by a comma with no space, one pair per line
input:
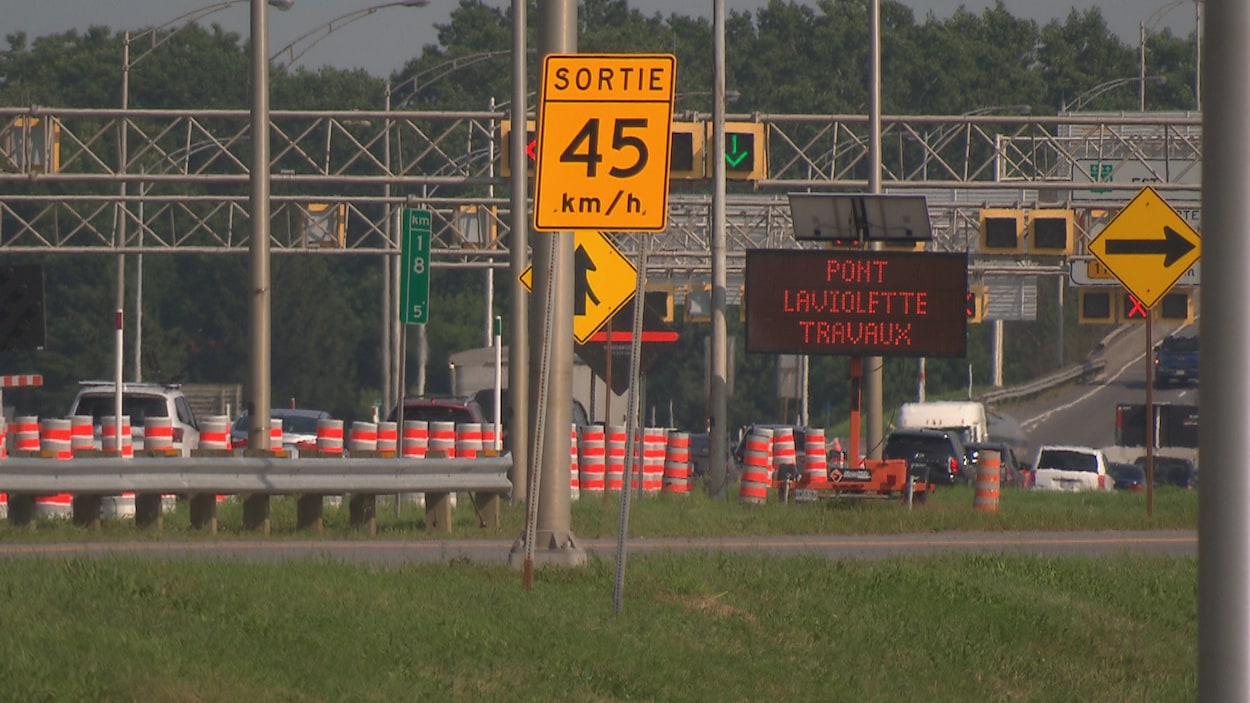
[1148,246]
[603,282]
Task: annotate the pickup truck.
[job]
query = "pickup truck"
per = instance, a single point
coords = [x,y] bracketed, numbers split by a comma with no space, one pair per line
[1176,361]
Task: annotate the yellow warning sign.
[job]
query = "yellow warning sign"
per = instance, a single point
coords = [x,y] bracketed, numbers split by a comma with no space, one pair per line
[603,282]
[1148,246]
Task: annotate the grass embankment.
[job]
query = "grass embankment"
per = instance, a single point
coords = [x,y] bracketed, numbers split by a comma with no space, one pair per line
[693,627]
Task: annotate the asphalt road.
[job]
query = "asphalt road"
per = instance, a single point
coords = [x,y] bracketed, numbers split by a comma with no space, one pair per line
[397,552]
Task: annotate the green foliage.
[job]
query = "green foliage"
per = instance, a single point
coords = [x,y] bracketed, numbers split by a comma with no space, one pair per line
[783,58]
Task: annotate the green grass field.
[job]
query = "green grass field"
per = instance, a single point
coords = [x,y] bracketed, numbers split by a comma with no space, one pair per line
[692,627]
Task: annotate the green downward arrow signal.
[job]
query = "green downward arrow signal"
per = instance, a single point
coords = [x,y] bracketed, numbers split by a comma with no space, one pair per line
[733,156]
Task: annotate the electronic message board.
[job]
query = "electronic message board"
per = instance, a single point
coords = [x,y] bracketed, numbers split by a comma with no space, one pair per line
[858,303]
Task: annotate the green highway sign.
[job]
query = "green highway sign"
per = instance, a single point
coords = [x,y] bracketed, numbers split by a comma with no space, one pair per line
[414,279]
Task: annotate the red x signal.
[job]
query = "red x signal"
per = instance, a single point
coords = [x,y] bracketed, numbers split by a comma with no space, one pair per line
[1133,308]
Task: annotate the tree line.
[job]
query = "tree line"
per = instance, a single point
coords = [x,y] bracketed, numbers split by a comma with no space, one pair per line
[785,58]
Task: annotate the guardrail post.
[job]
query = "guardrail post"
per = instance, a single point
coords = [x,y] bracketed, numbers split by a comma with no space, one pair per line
[86,510]
[204,505]
[363,507]
[22,510]
[256,505]
[438,511]
[487,507]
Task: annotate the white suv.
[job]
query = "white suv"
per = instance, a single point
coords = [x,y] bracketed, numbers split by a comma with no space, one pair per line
[140,401]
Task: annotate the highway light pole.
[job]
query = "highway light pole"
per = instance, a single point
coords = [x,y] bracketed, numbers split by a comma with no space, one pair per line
[256,507]
[159,35]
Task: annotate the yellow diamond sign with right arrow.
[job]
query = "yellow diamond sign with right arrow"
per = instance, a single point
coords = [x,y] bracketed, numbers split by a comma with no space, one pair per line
[1148,246]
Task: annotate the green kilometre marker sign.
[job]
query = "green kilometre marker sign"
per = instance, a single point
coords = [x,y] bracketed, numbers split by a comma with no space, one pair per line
[414,279]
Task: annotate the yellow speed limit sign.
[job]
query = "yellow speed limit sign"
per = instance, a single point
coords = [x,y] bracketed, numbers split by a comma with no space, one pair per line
[604,124]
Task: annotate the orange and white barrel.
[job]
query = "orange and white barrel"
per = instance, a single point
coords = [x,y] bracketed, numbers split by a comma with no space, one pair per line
[616,457]
[275,434]
[158,433]
[468,440]
[488,438]
[26,434]
[4,454]
[54,442]
[783,450]
[575,479]
[54,438]
[113,441]
[989,475]
[815,461]
[592,459]
[363,437]
[754,480]
[654,443]
[330,436]
[215,432]
[117,507]
[81,433]
[388,437]
[59,506]
[635,448]
[677,463]
[442,439]
[416,439]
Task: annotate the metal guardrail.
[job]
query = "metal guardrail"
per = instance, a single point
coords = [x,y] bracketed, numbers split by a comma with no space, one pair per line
[272,476]
[1036,387]
[89,479]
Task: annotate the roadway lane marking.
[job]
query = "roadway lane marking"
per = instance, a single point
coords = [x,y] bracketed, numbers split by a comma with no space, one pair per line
[1033,422]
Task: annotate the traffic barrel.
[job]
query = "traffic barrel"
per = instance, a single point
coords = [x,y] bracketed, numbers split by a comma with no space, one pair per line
[388,438]
[215,433]
[468,440]
[677,463]
[616,457]
[275,435]
[592,462]
[158,433]
[753,482]
[443,439]
[783,451]
[363,437]
[54,438]
[815,461]
[329,436]
[26,434]
[416,439]
[989,475]
[81,433]
[575,481]
[654,440]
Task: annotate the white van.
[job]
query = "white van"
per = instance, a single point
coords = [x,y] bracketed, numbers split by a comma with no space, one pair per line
[964,416]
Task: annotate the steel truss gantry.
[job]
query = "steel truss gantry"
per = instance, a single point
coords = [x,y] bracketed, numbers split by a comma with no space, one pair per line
[187,175]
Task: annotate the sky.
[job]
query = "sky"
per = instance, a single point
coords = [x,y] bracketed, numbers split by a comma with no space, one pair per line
[382,41]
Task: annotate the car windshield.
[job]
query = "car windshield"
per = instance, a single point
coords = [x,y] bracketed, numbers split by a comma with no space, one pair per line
[438,413]
[907,446]
[137,407]
[1179,344]
[1067,460]
[299,424]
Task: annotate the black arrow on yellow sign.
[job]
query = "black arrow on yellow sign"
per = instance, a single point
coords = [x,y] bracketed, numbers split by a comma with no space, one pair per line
[1173,246]
[581,286]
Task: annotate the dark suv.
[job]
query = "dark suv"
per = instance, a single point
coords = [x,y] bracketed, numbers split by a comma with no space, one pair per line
[935,456]
[440,409]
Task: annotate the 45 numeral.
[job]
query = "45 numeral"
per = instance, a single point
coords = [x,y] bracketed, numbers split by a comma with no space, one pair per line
[585,147]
